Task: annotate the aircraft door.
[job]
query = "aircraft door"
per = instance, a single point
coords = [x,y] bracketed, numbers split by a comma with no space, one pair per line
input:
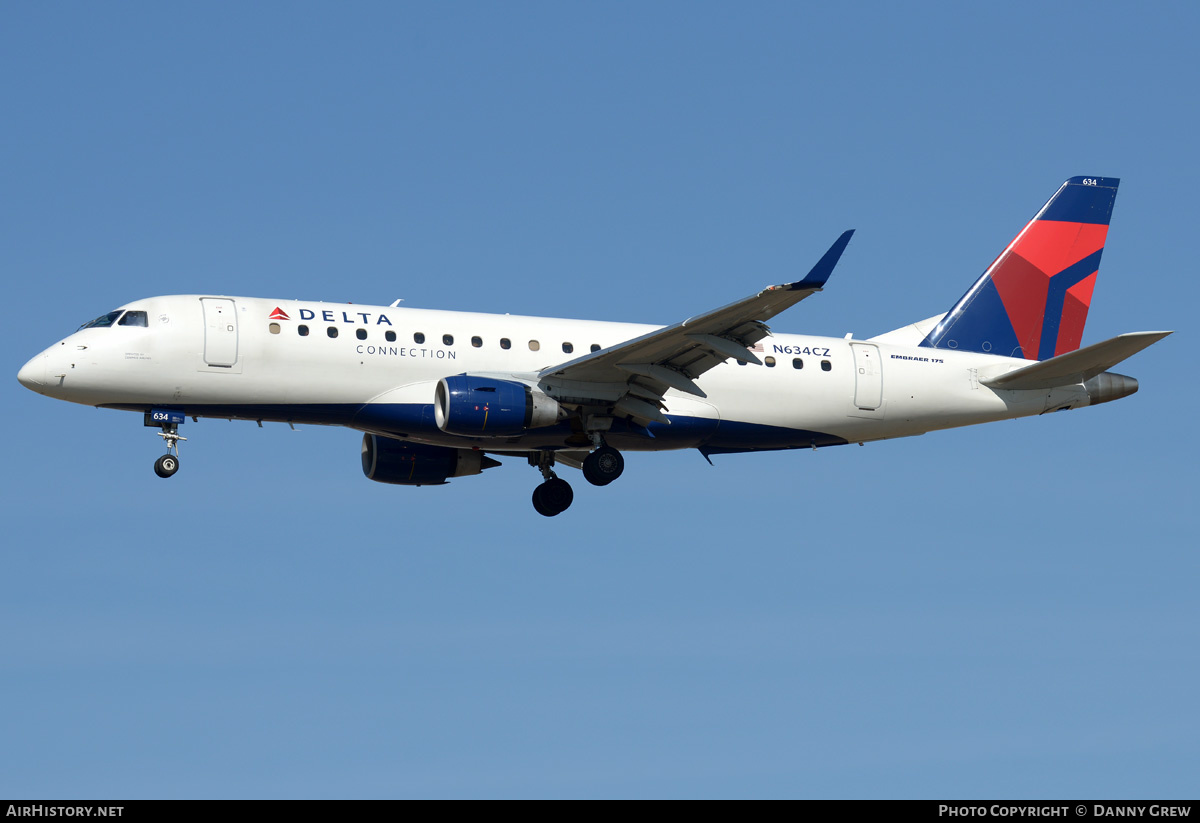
[220,331]
[868,376]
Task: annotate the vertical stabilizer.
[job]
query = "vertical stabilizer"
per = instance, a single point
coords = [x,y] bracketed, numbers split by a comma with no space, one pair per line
[1033,300]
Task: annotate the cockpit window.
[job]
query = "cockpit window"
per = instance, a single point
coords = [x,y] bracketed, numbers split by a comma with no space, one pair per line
[134,318]
[103,321]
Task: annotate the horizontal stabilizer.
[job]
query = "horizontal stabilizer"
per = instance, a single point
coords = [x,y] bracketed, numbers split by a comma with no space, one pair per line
[1077,366]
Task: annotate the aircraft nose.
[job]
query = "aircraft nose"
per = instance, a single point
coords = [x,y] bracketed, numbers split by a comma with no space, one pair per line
[33,374]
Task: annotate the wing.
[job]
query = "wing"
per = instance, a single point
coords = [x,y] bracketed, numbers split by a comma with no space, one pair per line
[633,377]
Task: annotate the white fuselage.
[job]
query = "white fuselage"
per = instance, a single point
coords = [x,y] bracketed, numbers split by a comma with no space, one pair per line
[375,369]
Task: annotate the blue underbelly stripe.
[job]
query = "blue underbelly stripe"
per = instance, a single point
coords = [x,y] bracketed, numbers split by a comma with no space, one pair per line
[416,419]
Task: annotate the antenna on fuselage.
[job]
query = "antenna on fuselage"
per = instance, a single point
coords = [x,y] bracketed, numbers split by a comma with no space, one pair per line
[395,303]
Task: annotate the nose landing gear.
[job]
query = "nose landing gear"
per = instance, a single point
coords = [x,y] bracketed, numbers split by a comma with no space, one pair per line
[168,464]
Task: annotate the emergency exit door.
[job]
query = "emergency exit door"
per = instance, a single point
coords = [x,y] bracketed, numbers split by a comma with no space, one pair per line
[220,331]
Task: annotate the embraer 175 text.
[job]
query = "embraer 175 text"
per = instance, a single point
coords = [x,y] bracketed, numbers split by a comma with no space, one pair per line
[437,392]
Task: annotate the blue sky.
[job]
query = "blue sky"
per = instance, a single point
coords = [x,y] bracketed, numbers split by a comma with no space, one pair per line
[1003,611]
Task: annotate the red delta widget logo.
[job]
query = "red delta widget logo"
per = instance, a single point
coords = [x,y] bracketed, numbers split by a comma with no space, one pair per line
[329,316]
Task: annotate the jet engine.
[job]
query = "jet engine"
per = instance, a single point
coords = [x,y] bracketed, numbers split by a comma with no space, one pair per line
[486,407]
[387,460]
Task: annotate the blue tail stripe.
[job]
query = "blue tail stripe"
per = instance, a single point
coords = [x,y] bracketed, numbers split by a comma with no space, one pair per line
[1057,297]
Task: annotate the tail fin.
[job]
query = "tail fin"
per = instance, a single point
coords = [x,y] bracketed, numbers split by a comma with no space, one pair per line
[1033,300]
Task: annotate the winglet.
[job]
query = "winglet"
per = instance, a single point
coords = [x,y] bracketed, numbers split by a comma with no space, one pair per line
[819,274]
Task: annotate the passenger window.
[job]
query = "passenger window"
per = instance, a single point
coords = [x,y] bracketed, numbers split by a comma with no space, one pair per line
[331,331]
[476,341]
[102,322]
[389,336]
[273,328]
[418,338]
[134,318]
[568,348]
[797,363]
[505,343]
[534,345]
[447,340]
[595,347]
[302,331]
[826,365]
[770,361]
[361,334]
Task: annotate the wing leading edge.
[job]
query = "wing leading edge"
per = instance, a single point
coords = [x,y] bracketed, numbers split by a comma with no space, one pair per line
[633,376]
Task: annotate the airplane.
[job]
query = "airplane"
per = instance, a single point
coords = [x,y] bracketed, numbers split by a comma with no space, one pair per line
[441,394]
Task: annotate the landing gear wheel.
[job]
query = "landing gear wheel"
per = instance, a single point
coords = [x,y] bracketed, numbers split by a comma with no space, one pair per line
[603,466]
[538,505]
[166,465]
[553,497]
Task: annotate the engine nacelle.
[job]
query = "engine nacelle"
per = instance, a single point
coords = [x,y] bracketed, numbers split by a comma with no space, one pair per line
[486,407]
[387,460]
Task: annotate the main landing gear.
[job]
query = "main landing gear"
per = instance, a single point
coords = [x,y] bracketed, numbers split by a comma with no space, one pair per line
[554,495]
[168,464]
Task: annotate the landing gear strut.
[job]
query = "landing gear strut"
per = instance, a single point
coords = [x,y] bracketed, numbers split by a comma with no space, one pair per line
[168,464]
[554,495]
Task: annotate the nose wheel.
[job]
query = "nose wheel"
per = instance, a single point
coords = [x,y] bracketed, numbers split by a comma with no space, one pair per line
[168,464]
